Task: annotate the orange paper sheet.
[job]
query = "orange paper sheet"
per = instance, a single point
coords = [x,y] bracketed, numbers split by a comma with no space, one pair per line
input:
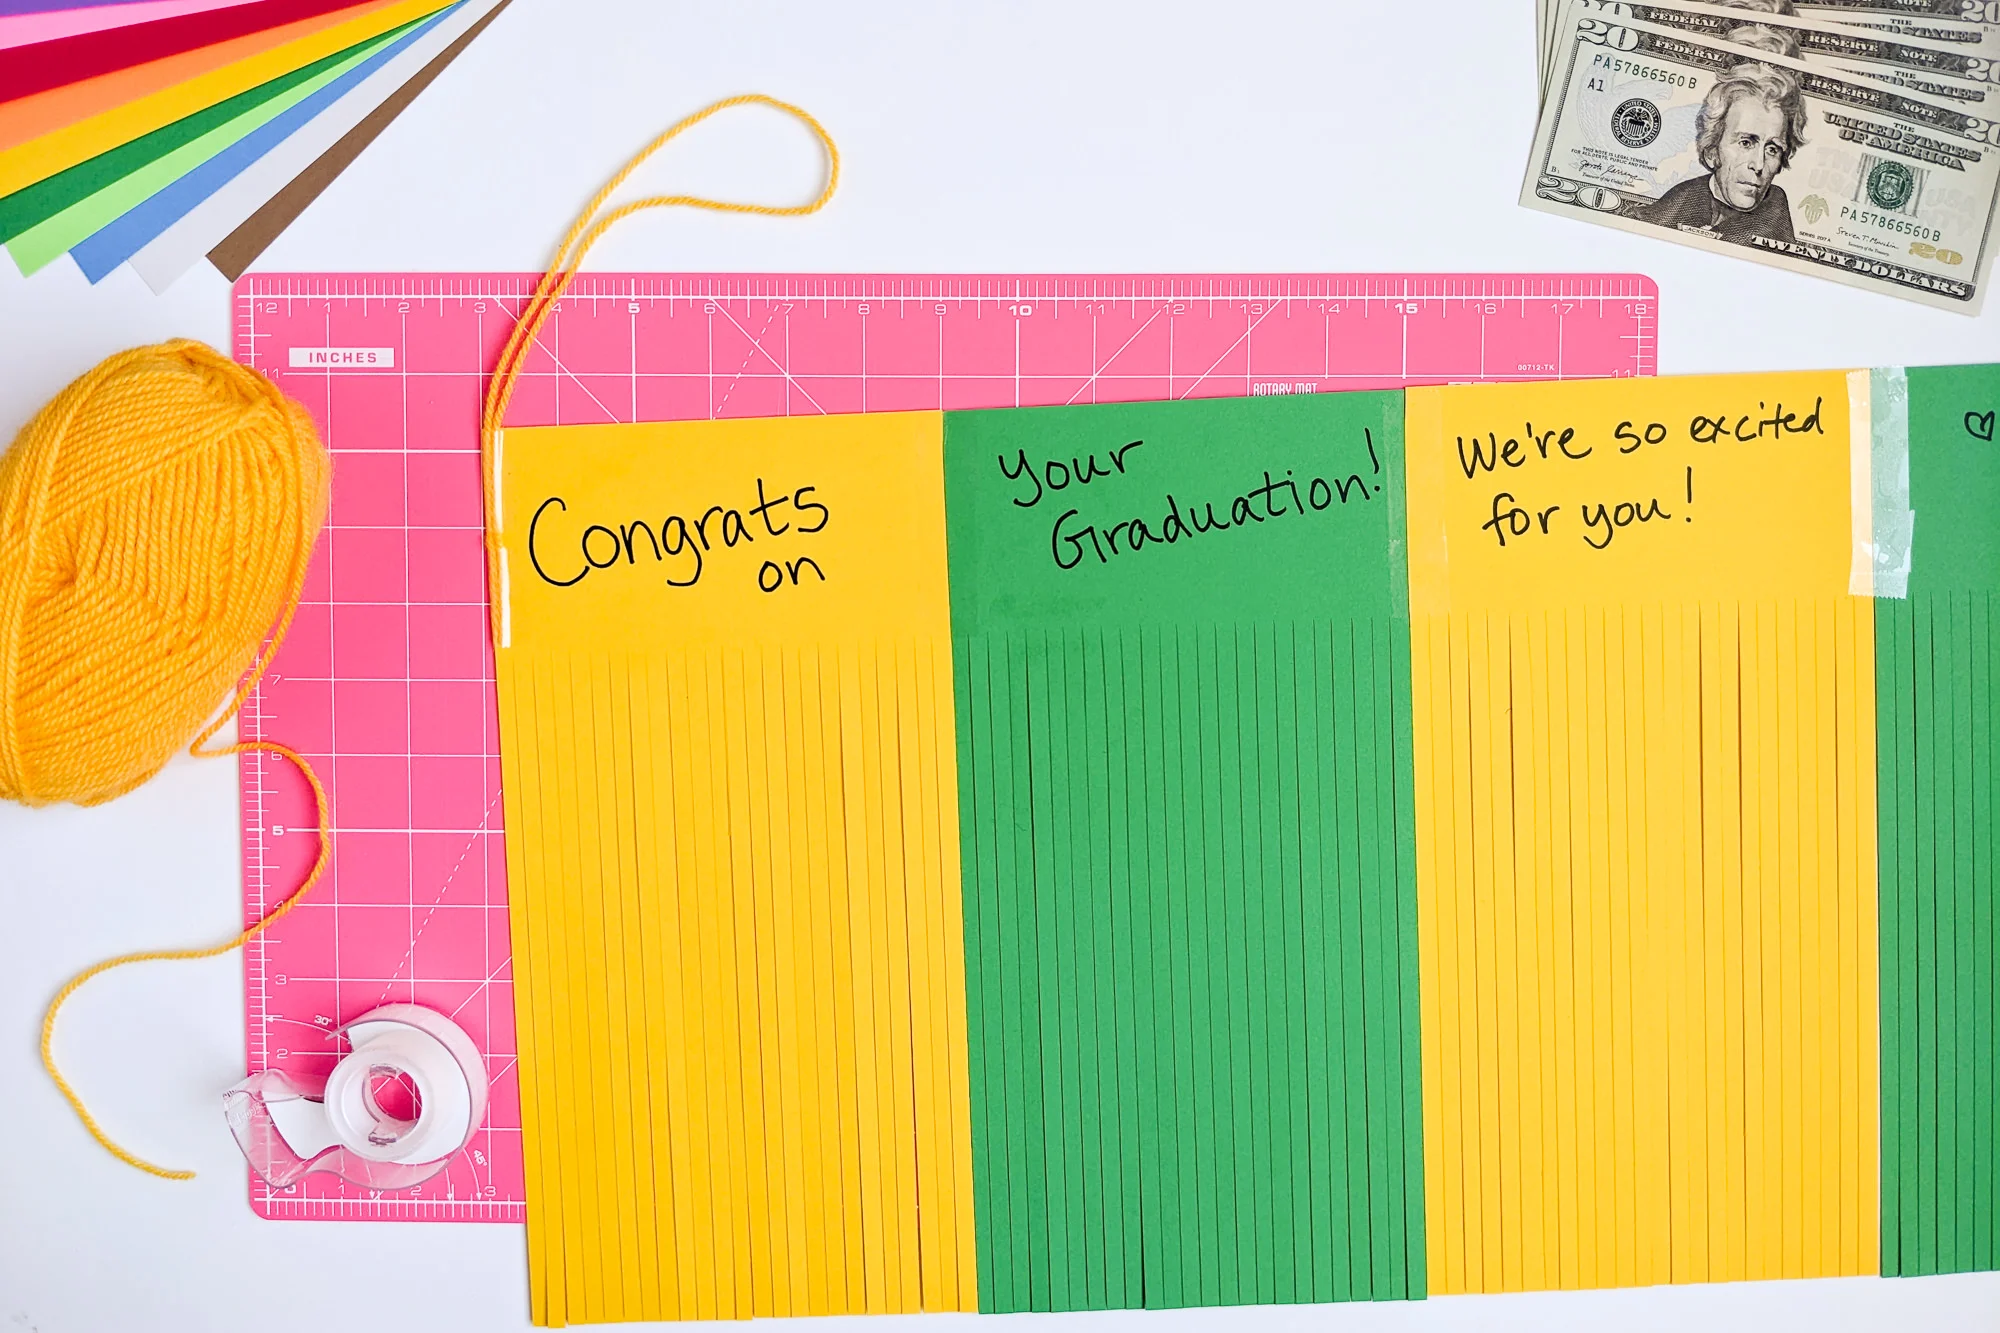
[57,129]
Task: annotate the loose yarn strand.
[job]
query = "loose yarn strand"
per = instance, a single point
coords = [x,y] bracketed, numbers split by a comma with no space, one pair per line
[181,955]
[563,268]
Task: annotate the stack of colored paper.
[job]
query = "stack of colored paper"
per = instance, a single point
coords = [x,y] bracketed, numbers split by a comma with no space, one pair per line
[161,132]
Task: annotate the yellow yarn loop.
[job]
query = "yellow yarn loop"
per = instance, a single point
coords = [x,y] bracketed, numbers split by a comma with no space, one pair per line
[155,523]
[562,271]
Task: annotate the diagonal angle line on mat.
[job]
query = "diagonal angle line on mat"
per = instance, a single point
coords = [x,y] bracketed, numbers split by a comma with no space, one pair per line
[444,888]
[756,348]
[782,370]
[1106,365]
[562,369]
[480,989]
[1241,338]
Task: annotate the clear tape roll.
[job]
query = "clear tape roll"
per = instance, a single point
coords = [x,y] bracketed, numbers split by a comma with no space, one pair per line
[289,1127]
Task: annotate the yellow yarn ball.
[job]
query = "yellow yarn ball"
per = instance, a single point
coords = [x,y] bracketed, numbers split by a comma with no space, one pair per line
[155,524]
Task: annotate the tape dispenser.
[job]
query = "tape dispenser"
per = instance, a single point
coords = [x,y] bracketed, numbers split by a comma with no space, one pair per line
[290,1125]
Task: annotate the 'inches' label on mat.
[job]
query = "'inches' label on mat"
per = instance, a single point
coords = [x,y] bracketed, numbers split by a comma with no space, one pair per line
[346,358]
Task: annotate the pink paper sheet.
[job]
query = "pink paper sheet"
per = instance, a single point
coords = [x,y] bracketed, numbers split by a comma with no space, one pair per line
[23,29]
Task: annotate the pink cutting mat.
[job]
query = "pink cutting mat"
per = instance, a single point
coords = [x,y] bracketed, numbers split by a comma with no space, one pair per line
[386,680]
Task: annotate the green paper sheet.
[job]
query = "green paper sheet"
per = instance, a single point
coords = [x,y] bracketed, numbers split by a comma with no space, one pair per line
[1183,716]
[40,222]
[1937,663]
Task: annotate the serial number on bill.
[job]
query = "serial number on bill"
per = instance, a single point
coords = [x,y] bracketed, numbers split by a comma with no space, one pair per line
[1671,78]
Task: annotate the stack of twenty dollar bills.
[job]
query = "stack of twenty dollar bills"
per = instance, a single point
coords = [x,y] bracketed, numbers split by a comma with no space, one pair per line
[1858,140]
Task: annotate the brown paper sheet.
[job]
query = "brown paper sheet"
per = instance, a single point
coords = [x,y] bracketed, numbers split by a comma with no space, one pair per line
[237,251]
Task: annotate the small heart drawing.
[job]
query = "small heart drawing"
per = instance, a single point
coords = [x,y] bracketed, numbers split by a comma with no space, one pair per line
[1979,425]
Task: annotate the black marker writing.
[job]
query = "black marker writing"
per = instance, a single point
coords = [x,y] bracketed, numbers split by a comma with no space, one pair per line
[771,575]
[1058,474]
[1072,538]
[678,542]
[1746,428]
[1630,439]
[1610,518]
[1496,453]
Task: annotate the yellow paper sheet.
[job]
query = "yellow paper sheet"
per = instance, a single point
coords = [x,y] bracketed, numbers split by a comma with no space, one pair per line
[1645,828]
[725,684]
[62,148]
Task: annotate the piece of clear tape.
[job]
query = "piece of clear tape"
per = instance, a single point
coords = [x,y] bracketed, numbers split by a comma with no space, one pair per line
[1393,491]
[1884,524]
[290,1126]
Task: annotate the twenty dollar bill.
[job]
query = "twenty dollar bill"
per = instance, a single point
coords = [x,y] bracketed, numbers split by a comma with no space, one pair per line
[1965,73]
[1747,152]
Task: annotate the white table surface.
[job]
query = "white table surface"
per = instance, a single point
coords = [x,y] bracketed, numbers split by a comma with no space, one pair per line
[1057,135]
